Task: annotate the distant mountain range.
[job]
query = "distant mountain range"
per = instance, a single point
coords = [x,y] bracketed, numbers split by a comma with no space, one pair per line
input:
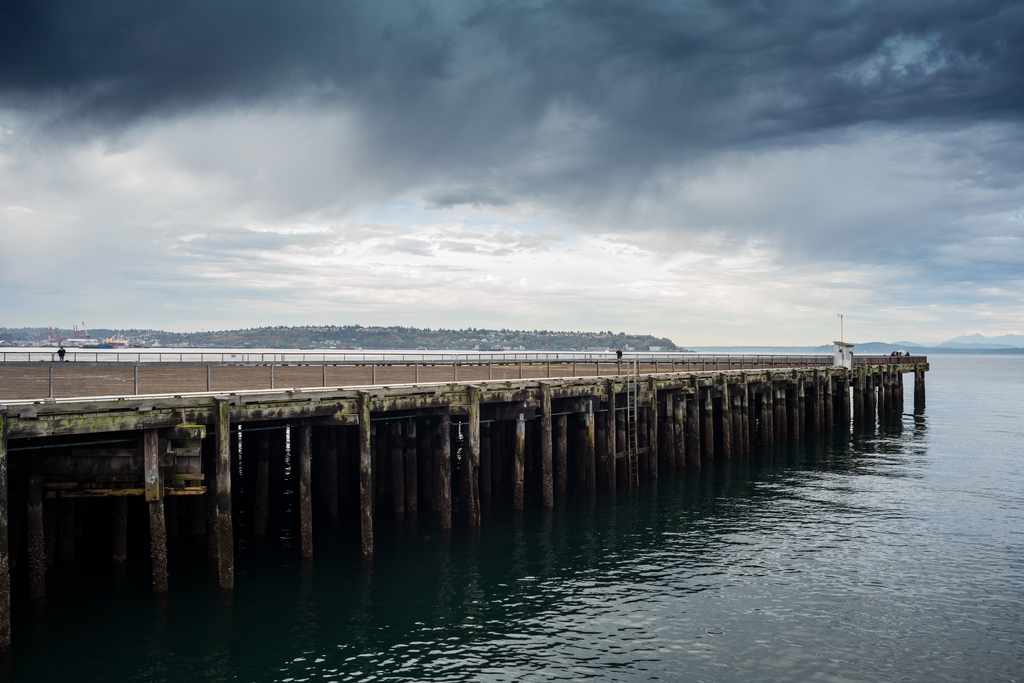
[973,343]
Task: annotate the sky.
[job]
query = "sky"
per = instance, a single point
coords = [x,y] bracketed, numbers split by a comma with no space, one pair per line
[714,172]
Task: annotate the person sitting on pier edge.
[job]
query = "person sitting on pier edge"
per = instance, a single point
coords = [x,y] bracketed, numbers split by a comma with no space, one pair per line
[60,354]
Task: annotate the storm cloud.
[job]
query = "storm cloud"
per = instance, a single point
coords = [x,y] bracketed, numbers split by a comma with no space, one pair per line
[798,156]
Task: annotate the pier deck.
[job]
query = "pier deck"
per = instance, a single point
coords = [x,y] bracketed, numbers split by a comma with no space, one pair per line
[384,436]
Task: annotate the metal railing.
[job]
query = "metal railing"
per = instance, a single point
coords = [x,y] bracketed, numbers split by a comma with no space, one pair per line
[736,361]
[889,360]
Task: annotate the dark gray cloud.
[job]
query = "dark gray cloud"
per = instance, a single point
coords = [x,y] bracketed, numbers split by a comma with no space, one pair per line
[661,75]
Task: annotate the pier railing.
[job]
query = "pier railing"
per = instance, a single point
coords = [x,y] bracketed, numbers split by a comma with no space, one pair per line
[736,361]
[889,360]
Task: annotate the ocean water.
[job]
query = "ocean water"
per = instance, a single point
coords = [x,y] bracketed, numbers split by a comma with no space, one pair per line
[892,555]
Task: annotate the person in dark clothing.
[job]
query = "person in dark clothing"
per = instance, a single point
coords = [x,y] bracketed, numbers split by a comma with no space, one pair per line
[60,353]
[618,353]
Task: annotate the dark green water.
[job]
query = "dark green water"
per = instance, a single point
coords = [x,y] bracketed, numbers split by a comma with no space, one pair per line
[894,555]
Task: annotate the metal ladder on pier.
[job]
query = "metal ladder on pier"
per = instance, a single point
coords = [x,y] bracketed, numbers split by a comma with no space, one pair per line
[632,423]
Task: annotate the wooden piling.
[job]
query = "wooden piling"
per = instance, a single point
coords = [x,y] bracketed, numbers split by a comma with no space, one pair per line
[518,464]
[412,485]
[726,419]
[770,397]
[764,420]
[547,485]
[561,463]
[154,485]
[36,538]
[471,467]
[801,406]
[679,434]
[708,418]
[5,560]
[693,449]
[209,455]
[844,412]
[611,440]
[829,408]
[396,451]
[858,399]
[443,475]
[590,451]
[670,431]
[746,420]
[919,396]
[225,531]
[305,453]
[782,432]
[365,477]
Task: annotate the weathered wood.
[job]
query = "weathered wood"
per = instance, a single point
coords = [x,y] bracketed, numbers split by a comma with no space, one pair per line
[365,477]
[590,447]
[802,407]
[611,440]
[225,530]
[652,431]
[5,561]
[561,464]
[726,419]
[50,525]
[329,467]
[547,485]
[396,449]
[151,466]
[472,462]
[158,544]
[119,528]
[443,476]
[736,420]
[518,464]
[829,408]
[36,537]
[209,456]
[919,393]
[708,419]
[693,431]
[679,427]
[305,452]
[412,486]
[670,431]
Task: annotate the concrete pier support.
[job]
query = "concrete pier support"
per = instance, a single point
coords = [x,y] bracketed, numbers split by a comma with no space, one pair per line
[547,483]
[225,531]
[305,458]
[518,464]
[36,538]
[5,560]
[472,464]
[365,476]
[611,437]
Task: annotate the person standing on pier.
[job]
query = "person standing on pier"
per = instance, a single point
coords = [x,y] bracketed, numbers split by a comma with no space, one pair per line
[60,354]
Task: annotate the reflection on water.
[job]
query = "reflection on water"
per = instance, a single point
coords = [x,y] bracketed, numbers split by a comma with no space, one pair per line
[892,554]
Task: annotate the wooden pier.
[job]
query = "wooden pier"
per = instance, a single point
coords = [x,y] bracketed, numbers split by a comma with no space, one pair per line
[392,437]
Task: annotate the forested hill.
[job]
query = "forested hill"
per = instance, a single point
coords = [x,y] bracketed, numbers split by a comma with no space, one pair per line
[357,336]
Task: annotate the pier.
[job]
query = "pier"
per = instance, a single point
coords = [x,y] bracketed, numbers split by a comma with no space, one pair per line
[99,439]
